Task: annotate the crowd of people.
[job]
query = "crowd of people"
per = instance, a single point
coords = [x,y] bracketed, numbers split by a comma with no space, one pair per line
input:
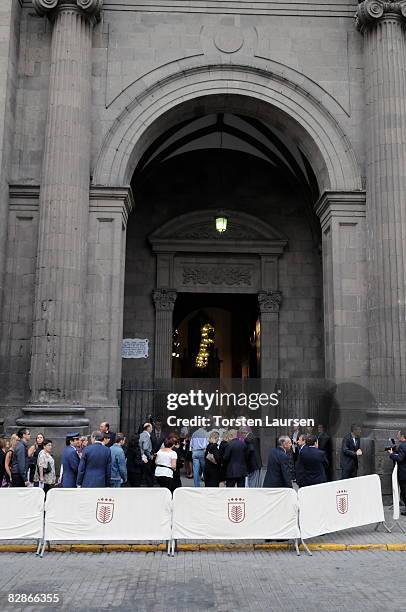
[155,456]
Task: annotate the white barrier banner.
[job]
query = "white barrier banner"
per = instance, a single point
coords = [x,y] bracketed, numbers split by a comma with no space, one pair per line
[395,493]
[341,504]
[228,514]
[117,514]
[22,513]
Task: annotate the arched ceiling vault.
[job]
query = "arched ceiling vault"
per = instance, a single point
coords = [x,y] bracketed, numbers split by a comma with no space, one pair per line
[227,131]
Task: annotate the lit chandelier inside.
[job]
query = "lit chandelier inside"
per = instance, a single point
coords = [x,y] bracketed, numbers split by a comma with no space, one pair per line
[206,338]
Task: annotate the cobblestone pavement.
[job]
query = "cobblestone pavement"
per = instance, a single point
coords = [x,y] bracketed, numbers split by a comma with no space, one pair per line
[220,581]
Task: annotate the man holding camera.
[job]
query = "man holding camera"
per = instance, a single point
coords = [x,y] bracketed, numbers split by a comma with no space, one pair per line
[399,455]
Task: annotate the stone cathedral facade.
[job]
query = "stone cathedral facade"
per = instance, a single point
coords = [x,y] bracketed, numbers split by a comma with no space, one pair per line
[126,126]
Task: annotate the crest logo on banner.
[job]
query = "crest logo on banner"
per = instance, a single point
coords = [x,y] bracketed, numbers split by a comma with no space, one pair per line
[104,510]
[236,509]
[342,501]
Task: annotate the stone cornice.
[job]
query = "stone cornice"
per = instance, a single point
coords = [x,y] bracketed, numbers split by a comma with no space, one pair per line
[109,198]
[90,8]
[344,204]
[370,12]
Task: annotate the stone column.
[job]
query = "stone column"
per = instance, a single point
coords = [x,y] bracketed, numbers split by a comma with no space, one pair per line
[342,220]
[164,300]
[383,26]
[109,210]
[58,330]
[269,303]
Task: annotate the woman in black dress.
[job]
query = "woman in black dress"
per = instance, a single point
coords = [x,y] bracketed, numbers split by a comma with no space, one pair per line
[212,464]
[33,454]
[134,462]
[222,448]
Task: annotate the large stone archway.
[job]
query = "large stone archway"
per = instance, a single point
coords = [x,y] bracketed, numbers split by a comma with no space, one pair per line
[260,88]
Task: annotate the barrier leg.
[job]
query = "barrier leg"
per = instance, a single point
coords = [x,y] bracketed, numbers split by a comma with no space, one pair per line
[43,548]
[39,544]
[173,547]
[396,524]
[384,525]
[309,552]
[168,547]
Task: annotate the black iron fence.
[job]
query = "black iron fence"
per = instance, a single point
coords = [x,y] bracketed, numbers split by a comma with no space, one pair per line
[297,399]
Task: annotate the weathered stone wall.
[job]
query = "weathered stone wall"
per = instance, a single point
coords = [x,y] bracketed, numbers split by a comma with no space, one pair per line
[316,47]
[143,46]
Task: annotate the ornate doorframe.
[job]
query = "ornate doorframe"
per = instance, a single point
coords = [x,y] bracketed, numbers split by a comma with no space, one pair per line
[192,257]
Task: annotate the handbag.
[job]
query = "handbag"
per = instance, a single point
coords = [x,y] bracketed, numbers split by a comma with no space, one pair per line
[47,469]
[210,457]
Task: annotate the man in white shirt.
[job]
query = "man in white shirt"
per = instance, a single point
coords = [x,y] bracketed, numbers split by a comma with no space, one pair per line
[146,451]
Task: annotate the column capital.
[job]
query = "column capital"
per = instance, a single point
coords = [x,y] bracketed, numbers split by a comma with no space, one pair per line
[269,301]
[370,12]
[91,8]
[164,299]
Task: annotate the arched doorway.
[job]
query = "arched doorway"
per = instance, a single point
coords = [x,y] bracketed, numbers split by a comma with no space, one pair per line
[266,265]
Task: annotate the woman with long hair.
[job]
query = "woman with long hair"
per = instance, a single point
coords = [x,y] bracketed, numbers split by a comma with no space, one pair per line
[9,457]
[3,449]
[33,453]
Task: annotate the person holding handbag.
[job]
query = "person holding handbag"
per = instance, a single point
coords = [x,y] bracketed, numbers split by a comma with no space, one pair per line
[33,453]
[45,473]
[9,458]
[212,462]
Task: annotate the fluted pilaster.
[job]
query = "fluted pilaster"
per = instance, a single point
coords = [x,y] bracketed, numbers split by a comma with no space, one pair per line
[164,300]
[383,27]
[58,334]
[269,303]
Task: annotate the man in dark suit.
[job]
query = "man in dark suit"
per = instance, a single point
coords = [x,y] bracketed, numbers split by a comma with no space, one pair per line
[324,444]
[235,461]
[399,456]
[350,451]
[157,435]
[312,462]
[301,443]
[70,460]
[277,472]
[105,429]
[95,464]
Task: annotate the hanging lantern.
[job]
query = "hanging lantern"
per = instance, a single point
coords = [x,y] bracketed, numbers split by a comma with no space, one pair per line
[221,223]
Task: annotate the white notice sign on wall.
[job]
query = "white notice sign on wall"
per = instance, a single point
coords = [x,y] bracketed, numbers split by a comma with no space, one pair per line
[135,348]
